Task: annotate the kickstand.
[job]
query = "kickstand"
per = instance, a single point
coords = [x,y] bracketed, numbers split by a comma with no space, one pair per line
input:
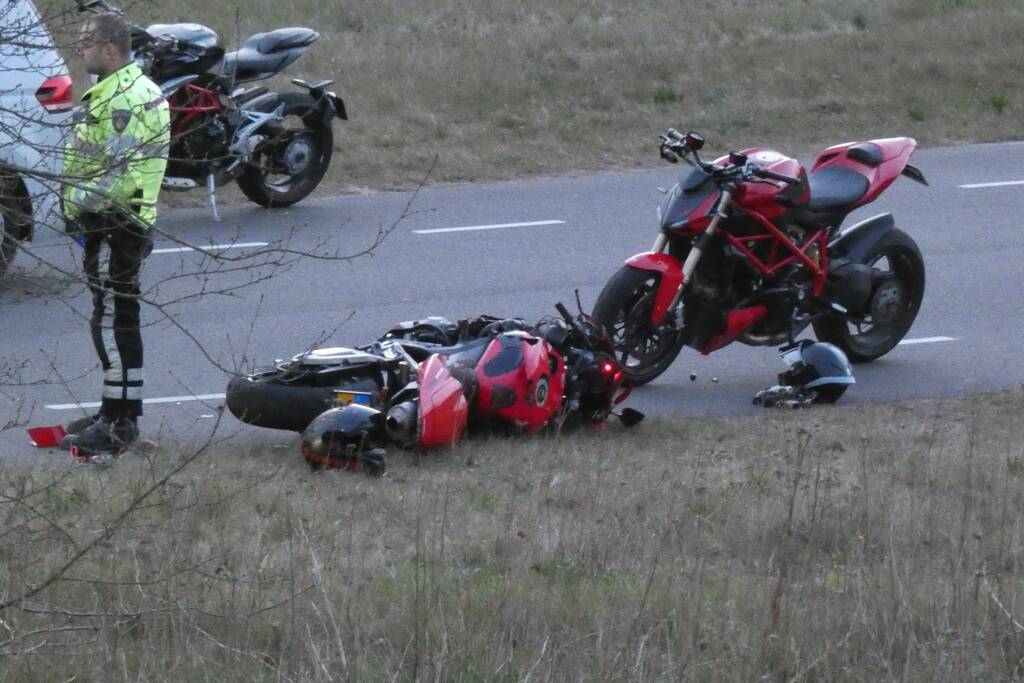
[211,196]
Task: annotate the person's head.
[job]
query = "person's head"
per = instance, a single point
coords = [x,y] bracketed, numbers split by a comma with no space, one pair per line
[105,44]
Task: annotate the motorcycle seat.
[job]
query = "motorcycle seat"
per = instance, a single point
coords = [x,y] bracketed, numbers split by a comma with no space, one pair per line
[471,349]
[265,54]
[249,65]
[280,39]
[835,188]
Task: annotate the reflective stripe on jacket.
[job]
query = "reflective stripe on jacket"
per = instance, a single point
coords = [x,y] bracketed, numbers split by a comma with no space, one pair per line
[118,152]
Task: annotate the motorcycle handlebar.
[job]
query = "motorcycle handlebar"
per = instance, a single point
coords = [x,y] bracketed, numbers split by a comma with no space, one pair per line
[573,323]
[674,147]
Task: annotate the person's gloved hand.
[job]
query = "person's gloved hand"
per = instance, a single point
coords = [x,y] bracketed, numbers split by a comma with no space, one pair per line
[75,230]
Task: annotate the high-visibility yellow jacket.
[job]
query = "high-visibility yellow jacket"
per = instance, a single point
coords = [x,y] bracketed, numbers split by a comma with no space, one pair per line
[117,155]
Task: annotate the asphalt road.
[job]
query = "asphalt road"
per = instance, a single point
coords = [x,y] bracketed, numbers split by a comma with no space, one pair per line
[583,228]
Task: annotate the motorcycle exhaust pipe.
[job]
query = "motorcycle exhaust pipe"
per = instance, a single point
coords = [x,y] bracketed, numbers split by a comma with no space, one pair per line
[402,423]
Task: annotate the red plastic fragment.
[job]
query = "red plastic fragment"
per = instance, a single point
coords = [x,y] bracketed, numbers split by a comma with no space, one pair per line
[46,437]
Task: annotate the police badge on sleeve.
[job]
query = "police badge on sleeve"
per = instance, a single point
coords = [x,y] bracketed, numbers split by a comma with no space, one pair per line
[120,118]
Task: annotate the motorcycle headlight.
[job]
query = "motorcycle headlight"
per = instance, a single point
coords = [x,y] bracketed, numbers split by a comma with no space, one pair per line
[666,201]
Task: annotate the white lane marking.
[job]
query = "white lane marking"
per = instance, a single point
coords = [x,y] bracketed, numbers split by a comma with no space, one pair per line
[211,247]
[498,226]
[165,399]
[1005,183]
[926,340]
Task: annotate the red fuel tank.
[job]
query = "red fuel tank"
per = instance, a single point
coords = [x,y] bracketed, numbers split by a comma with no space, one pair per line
[521,379]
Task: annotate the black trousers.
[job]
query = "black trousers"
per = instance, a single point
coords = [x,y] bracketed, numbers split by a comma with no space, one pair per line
[115,249]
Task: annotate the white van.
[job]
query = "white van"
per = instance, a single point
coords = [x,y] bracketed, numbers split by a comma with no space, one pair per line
[35,98]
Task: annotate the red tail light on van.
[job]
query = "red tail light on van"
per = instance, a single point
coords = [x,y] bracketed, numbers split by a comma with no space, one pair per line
[56,94]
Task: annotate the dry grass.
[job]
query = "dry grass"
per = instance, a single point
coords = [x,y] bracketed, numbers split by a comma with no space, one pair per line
[503,89]
[835,544]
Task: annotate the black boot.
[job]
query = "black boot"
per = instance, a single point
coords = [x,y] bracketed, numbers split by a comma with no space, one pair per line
[81,424]
[104,436]
[76,427]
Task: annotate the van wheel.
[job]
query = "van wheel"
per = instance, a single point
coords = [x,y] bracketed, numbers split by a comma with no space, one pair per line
[15,218]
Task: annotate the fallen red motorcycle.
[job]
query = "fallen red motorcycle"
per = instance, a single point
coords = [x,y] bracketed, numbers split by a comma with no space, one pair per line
[426,382]
[750,250]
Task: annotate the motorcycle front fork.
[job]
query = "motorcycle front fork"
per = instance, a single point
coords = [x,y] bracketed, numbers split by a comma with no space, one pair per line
[696,251]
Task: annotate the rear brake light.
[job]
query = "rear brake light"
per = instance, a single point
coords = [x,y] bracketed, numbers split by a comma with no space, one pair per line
[57,94]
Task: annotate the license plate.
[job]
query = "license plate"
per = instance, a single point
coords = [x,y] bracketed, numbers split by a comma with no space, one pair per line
[344,398]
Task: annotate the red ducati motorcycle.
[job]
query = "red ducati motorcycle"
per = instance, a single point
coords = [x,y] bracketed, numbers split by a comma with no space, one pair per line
[750,250]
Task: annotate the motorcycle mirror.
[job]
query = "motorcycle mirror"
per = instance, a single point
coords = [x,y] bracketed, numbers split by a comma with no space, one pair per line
[694,141]
[668,155]
[93,5]
[737,158]
[629,417]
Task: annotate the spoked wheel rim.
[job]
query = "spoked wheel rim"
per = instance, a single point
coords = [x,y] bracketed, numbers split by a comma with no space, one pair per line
[893,307]
[637,342]
[292,159]
[639,345]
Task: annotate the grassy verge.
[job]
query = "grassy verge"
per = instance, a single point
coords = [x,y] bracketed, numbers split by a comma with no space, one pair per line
[504,89]
[833,544]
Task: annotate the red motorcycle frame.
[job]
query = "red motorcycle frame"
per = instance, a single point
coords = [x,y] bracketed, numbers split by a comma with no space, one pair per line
[188,105]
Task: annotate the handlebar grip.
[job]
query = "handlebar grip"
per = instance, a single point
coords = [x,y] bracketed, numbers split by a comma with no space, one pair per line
[564,312]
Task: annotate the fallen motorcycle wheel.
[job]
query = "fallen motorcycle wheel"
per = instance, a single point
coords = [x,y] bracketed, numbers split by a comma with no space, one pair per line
[264,401]
[623,308]
[286,168]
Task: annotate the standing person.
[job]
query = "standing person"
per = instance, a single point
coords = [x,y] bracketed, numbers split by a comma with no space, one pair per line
[115,164]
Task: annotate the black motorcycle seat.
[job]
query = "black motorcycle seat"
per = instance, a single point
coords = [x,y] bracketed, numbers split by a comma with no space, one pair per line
[246,64]
[834,188]
[267,53]
[280,39]
[420,351]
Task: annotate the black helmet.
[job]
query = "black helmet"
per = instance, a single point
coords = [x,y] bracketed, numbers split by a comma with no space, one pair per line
[343,438]
[817,367]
